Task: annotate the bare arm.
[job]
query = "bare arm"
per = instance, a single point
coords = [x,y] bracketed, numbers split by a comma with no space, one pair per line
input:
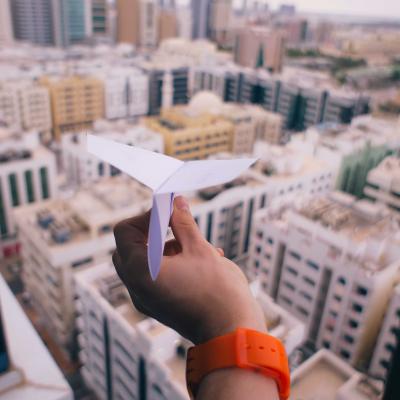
[199,293]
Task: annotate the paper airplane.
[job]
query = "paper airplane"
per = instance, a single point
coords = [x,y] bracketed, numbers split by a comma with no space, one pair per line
[165,176]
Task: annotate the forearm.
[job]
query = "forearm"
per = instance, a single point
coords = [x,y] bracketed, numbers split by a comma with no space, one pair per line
[237,384]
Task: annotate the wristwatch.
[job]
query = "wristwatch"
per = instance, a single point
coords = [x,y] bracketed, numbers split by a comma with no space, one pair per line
[243,348]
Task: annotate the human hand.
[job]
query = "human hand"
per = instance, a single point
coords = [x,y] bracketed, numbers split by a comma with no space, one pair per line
[199,293]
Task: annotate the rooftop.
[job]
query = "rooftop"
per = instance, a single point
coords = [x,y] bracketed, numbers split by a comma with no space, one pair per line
[320,377]
[89,213]
[366,232]
[387,171]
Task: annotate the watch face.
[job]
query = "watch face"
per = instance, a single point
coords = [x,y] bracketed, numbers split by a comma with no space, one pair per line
[4,360]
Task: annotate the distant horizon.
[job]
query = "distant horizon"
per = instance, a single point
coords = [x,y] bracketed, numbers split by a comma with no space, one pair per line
[351,8]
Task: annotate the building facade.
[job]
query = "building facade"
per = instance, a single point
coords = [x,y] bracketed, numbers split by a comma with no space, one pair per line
[6,28]
[383,183]
[332,262]
[76,101]
[49,230]
[27,175]
[201,12]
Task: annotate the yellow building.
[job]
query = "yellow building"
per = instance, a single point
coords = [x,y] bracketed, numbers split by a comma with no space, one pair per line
[76,102]
[194,131]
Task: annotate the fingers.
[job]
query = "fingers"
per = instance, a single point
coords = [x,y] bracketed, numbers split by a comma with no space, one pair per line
[183,224]
[220,251]
[131,234]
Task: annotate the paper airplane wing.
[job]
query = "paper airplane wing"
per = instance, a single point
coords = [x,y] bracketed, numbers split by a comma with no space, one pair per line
[151,169]
[195,175]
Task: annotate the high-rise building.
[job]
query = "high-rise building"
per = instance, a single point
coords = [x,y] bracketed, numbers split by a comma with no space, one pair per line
[137,22]
[332,261]
[26,378]
[128,17]
[27,175]
[387,340]
[99,18]
[201,14]
[71,21]
[260,48]
[168,25]
[33,21]
[221,21]
[6,29]
[76,101]
[383,183]
[49,230]
[80,167]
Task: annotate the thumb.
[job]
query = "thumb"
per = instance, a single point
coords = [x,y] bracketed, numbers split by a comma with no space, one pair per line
[183,224]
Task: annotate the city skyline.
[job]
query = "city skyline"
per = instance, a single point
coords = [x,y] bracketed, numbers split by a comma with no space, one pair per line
[360,8]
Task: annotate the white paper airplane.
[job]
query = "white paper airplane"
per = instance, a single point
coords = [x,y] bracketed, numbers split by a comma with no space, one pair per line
[165,176]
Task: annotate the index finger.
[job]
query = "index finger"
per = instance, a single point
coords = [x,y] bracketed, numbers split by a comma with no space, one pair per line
[131,235]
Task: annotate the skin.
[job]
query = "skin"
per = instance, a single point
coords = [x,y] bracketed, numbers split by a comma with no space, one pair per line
[199,293]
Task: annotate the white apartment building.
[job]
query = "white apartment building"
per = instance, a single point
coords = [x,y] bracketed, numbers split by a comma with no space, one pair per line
[26,378]
[80,167]
[325,376]
[333,143]
[383,183]
[126,92]
[25,105]
[144,357]
[280,323]
[332,262]
[59,237]
[386,343]
[148,23]
[225,213]
[27,175]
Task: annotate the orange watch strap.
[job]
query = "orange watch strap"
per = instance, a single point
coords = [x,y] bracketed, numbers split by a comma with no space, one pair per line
[244,348]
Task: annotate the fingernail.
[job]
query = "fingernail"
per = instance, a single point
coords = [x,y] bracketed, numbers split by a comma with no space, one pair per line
[181,203]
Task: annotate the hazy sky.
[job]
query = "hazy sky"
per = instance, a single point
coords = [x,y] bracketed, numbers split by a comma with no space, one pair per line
[373,8]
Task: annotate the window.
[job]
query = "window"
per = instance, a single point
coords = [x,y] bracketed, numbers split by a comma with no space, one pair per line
[270,241]
[326,344]
[295,255]
[292,271]
[357,308]
[302,311]
[29,186]
[12,180]
[82,262]
[3,223]
[334,314]
[263,200]
[305,295]
[345,354]
[286,300]
[44,183]
[362,291]
[258,249]
[209,226]
[353,324]
[348,339]
[308,281]
[389,347]
[342,280]
[337,297]
[289,285]
[384,364]
[257,264]
[100,168]
[248,227]
[313,265]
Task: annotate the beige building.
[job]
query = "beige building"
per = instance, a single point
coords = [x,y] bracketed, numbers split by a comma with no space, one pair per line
[76,101]
[208,126]
[25,106]
[137,22]
[258,47]
[6,33]
[221,21]
[128,21]
[167,25]
[193,132]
